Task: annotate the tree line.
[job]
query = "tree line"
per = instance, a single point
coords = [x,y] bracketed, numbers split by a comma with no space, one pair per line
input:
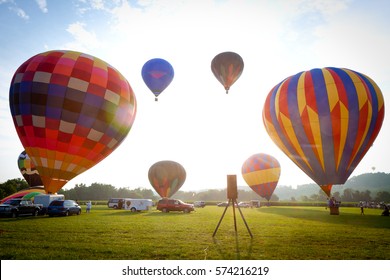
[98,191]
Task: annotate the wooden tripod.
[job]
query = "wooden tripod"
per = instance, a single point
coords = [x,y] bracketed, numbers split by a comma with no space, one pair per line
[234,203]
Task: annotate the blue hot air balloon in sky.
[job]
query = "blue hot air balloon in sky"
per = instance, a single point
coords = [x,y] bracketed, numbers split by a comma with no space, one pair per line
[157,74]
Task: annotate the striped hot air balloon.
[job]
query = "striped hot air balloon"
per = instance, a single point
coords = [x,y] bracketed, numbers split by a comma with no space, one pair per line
[261,172]
[325,120]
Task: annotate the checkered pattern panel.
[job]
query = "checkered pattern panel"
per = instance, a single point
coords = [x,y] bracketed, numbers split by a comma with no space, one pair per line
[70,110]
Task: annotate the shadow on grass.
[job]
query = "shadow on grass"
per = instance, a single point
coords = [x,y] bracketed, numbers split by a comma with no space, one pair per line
[158,213]
[237,252]
[319,214]
[119,213]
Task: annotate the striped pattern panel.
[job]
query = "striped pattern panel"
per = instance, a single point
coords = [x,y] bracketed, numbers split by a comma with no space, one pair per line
[261,172]
[325,120]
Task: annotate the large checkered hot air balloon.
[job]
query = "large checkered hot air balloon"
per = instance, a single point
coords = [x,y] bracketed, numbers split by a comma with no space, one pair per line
[261,172]
[325,120]
[166,177]
[70,110]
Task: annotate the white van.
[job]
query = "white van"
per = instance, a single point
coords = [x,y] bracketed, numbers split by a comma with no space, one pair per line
[134,204]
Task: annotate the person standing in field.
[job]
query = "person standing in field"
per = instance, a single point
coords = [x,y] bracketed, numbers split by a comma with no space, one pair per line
[361,208]
[89,206]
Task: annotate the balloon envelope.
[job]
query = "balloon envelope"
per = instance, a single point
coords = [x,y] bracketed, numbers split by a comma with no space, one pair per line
[325,120]
[22,193]
[70,110]
[261,172]
[227,68]
[28,170]
[157,74]
[166,177]
[31,195]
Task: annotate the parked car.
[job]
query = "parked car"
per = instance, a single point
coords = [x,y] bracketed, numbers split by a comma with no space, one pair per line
[46,199]
[222,204]
[244,204]
[168,204]
[116,203]
[63,208]
[17,206]
[199,204]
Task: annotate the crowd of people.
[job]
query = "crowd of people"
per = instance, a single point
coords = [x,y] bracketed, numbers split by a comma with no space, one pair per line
[366,204]
[332,202]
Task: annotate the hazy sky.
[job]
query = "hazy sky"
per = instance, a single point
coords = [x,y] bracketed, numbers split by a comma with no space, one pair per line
[194,122]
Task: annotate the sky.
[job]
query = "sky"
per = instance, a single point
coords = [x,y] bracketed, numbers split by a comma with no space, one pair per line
[195,122]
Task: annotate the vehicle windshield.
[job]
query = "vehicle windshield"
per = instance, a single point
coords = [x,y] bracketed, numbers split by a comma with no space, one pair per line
[57,203]
[14,202]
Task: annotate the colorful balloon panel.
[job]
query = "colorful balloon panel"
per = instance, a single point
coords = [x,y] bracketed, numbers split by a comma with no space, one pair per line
[28,170]
[23,193]
[157,74]
[166,177]
[325,120]
[70,110]
[31,195]
[261,172]
[227,67]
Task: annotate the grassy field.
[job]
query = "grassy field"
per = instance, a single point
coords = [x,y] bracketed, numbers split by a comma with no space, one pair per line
[279,233]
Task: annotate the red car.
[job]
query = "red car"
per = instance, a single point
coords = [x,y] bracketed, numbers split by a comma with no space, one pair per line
[167,204]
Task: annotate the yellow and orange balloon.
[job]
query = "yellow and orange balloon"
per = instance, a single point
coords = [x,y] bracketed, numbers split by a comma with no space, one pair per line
[325,120]
[261,172]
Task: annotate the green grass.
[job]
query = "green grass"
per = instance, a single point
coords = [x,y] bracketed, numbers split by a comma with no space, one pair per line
[279,233]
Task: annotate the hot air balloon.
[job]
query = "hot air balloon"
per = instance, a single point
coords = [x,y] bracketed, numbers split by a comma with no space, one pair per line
[261,172]
[227,68]
[70,110]
[325,120]
[166,177]
[28,170]
[23,193]
[157,74]
[31,195]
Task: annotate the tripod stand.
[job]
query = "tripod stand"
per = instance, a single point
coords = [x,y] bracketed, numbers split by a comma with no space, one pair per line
[234,203]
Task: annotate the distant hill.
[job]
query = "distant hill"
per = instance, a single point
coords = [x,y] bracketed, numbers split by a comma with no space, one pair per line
[374,182]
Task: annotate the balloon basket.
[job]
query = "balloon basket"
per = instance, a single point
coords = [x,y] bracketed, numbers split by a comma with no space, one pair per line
[334,210]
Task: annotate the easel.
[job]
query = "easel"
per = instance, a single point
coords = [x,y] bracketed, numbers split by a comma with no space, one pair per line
[232,195]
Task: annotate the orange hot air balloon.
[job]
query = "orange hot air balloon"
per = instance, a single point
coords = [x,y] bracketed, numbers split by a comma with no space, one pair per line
[261,172]
[227,67]
[325,120]
[167,177]
[70,110]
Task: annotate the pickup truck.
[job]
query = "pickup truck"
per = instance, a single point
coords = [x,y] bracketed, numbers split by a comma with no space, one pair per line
[16,207]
